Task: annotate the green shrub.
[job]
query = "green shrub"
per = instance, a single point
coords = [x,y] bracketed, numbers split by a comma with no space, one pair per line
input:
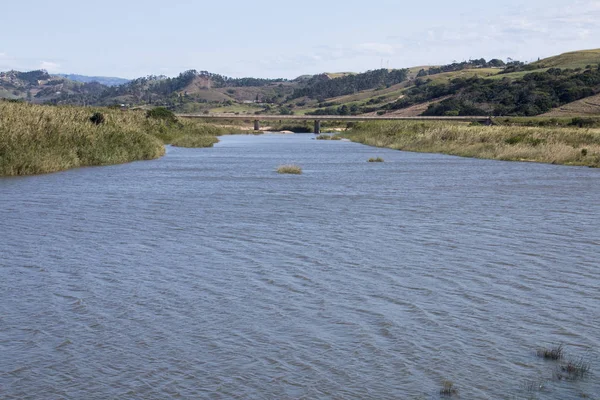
[97,118]
[584,122]
[515,139]
[161,113]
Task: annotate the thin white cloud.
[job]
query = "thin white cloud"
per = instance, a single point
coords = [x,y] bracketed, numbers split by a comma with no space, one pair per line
[523,35]
[379,49]
[526,33]
[50,66]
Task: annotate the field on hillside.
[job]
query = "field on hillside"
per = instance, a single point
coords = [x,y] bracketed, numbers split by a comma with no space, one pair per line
[589,106]
[236,108]
[574,59]
[465,73]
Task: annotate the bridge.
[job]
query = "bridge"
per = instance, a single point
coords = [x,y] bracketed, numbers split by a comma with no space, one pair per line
[318,118]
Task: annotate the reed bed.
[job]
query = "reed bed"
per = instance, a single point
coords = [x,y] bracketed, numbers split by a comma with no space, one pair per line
[557,145]
[37,139]
[328,137]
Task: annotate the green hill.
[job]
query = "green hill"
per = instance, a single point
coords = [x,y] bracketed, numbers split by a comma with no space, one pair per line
[574,59]
[41,87]
[103,80]
[479,86]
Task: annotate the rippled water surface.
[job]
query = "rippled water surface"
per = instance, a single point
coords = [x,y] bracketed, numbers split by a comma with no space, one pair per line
[205,274]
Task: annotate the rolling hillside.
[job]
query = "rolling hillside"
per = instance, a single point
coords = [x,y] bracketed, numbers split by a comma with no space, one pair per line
[41,87]
[103,80]
[588,106]
[574,59]
[565,84]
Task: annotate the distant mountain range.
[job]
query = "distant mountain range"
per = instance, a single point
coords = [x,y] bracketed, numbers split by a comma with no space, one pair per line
[103,80]
[567,84]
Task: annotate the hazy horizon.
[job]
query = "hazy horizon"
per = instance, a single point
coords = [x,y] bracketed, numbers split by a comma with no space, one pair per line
[265,39]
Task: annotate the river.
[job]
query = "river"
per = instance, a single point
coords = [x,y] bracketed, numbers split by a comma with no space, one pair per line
[205,274]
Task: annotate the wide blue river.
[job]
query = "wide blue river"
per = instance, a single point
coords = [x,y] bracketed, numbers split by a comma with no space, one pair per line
[207,275]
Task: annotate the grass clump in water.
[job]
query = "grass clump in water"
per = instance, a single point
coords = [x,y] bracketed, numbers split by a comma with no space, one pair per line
[328,137]
[572,370]
[553,353]
[448,389]
[378,159]
[290,169]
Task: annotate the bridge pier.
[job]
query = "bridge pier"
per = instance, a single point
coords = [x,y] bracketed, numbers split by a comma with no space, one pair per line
[317,126]
[256,125]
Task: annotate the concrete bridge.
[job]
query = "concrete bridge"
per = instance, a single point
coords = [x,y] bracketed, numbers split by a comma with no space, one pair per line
[318,118]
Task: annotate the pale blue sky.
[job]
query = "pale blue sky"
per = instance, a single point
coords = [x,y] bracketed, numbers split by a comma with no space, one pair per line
[268,38]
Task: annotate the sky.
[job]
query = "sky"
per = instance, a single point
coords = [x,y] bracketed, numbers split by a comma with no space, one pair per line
[276,39]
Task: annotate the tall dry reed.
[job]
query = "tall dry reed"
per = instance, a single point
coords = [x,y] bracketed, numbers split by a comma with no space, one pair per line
[37,139]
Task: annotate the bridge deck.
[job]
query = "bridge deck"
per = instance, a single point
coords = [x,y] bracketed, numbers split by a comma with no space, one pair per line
[330,117]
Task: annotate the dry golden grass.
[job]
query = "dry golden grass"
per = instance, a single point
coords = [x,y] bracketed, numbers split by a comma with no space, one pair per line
[589,106]
[290,169]
[574,59]
[38,139]
[570,146]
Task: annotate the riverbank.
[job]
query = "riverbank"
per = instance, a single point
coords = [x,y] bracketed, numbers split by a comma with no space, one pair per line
[37,139]
[556,145]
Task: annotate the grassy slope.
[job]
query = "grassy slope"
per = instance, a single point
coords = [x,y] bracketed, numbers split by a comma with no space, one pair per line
[40,139]
[465,73]
[569,146]
[516,75]
[236,108]
[571,60]
[589,106]
[333,75]
[574,59]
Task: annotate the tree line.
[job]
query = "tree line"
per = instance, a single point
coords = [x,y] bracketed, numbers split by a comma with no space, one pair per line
[322,87]
[459,66]
[533,94]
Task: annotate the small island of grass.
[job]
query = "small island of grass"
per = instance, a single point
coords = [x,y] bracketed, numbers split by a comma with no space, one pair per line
[289,169]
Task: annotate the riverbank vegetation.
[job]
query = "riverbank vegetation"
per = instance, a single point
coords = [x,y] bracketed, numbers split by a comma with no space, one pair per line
[568,145]
[328,137]
[38,139]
